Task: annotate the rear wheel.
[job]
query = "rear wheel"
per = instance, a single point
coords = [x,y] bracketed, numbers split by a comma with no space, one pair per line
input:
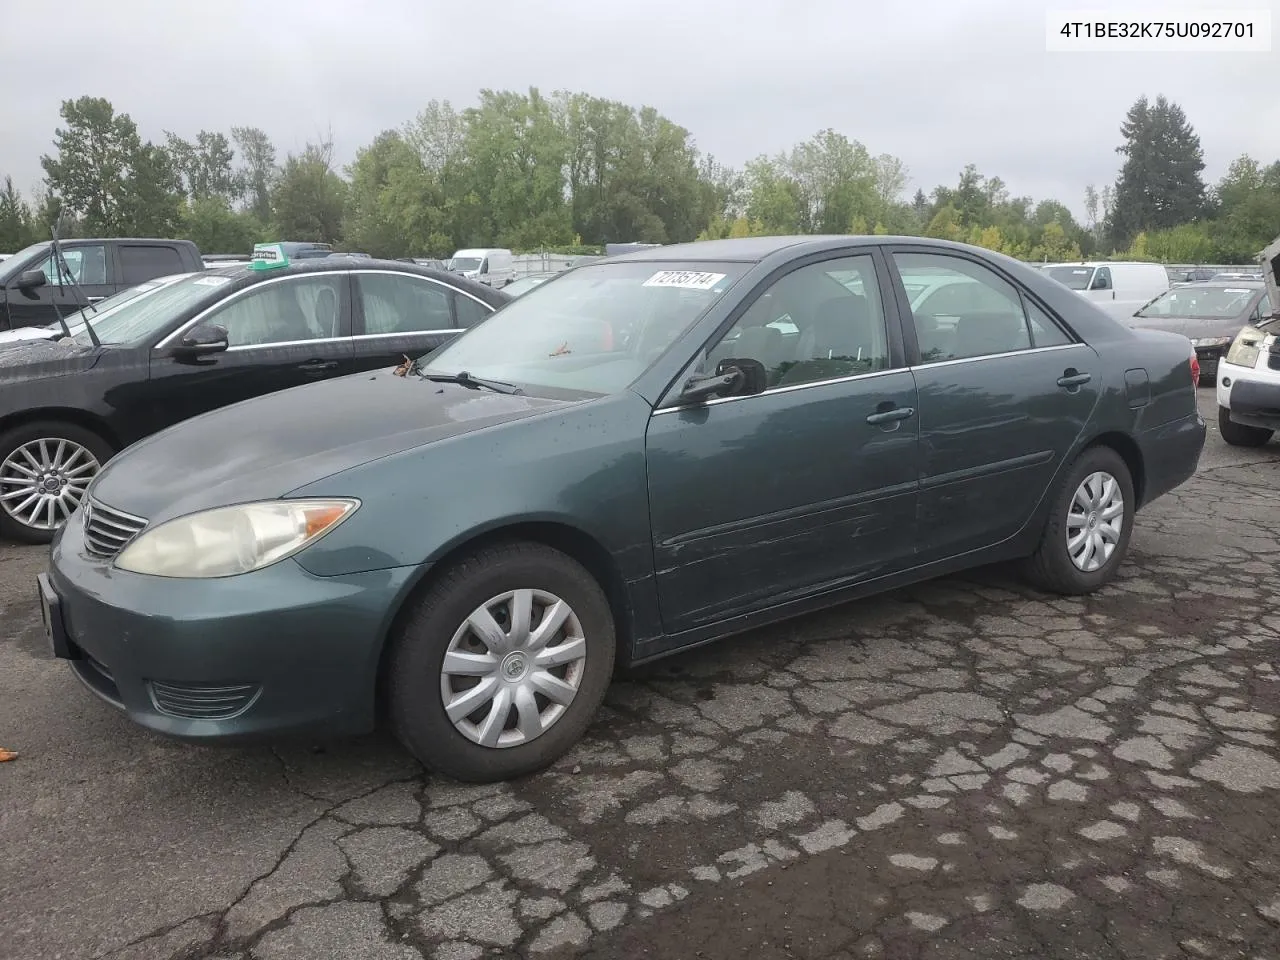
[1090,522]
[45,468]
[1238,434]
[501,664]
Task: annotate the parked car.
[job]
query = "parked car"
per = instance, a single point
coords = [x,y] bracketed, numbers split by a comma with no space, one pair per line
[1118,288]
[1249,375]
[527,283]
[199,343]
[1237,276]
[629,462]
[30,287]
[426,262]
[494,266]
[1194,275]
[96,312]
[1209,314]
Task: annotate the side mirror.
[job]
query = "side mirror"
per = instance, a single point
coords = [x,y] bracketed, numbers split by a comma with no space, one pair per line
[28,280]
[200,342]
[733,377]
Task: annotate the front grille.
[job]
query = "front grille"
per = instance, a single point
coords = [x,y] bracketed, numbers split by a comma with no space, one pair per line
[202,701]
[107,531]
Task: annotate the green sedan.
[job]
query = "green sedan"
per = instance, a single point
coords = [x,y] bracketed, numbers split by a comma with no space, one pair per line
[645,454]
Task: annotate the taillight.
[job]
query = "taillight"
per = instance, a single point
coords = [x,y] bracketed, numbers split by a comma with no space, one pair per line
[1195,369]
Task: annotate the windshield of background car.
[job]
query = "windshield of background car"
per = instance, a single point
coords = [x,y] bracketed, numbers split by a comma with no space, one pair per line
[11,266]
[595,329]
[1077,278]
[1200,302]
[149,313]
[465,263]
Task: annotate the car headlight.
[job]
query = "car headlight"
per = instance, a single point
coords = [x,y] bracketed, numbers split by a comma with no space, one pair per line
[1210,341]
[1245,348]
[231,540]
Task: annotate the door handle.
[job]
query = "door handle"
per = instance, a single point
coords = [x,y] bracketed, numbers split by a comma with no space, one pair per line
[317,366]
[891,416]
[1072,378]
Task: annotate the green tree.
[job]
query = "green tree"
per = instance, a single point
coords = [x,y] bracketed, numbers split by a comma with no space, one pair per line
[92,167]
[773,197]
[17,229]
[1248,200]
[1160,183]
[258,172]
[215,227]
[204,165]
[308,200]
[153,201]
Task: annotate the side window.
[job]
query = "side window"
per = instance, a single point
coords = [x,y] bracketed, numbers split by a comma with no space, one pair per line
[969,312]
[88,266]
[401,303]
[470,312]
[484,265]
[1264,307]
[139,263]
[1044,331]
[1101,279]
[284,311]
[820,322]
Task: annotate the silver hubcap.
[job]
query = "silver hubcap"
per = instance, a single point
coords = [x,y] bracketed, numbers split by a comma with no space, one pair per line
[513,668]
[43,481]
[1094,521]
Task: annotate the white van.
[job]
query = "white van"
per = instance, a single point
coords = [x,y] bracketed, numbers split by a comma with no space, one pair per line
[493,266]
[1120,288]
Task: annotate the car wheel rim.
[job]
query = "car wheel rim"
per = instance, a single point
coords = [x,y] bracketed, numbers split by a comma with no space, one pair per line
[43,481]
[1095,521]
[513,668]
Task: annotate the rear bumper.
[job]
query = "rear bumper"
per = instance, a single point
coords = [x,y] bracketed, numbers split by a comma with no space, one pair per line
[1171,454]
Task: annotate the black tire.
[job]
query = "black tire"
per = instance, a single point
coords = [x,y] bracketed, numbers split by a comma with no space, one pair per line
[416,709]
[1051,567]
[10,527]
[1239,434]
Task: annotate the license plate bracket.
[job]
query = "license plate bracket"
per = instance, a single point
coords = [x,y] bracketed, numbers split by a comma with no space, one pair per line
[55,628]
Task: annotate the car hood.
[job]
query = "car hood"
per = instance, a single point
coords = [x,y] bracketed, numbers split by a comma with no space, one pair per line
[30,359]
[264,448]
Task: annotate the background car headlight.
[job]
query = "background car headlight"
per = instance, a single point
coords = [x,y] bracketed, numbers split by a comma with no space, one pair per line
[231,540]
[1244,350]
[1210,341]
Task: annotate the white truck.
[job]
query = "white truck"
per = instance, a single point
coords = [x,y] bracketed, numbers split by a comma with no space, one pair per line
[1249,374]
[1120,288]
[492,265]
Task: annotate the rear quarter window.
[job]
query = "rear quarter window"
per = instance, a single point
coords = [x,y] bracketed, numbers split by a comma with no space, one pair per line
[139,262]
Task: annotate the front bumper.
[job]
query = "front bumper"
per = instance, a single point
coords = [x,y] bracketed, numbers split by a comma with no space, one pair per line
[273,652]
[1251,394]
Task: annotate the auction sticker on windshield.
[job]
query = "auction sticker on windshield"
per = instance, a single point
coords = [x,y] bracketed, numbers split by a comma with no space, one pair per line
[212,281]
[684,279]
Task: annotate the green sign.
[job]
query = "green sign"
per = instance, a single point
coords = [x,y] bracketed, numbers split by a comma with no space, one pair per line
[268,256]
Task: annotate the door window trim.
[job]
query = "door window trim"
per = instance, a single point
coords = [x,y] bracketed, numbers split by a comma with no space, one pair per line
[898,356]
[244,291]
[908,320]
[453,312]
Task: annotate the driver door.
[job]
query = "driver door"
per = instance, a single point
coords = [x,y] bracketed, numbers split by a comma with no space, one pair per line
[807,486]
[283,333]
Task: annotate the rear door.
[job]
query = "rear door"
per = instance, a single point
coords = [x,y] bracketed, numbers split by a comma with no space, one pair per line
[283,332]
[400,315]
[136,262]
[1004,391]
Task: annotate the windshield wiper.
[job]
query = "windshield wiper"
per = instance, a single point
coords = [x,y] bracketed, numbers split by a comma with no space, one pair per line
[467,380]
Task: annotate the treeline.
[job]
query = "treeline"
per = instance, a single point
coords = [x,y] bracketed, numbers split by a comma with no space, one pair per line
[571,171]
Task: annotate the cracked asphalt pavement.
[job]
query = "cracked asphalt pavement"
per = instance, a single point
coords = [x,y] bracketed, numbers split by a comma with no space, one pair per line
[962,769]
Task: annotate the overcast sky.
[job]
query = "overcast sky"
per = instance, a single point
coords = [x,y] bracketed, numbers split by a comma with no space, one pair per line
[938,83]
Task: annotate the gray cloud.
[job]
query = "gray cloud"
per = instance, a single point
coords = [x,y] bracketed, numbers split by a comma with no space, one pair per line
[937,83]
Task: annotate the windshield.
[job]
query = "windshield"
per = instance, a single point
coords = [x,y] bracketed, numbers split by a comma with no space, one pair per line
[465,263]
[1077,278]
[596,329]
[1205,302]
[11,266]
[149,313]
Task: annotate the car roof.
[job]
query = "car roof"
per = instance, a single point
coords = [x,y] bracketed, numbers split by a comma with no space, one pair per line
[756,249]
[1233,284]
[306,265]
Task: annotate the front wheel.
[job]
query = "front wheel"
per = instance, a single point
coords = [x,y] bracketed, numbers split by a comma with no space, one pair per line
[1090,522]
[45,468]
[501,664]
[1239,434]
